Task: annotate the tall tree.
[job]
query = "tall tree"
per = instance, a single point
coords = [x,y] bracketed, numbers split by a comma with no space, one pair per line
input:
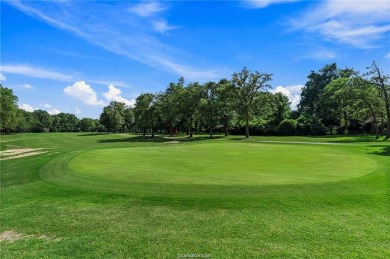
[42,121]
[87,124]
[247,85]
[112,116]
[312,101]
[168,105]
[189,101]
[144,112]
[209,106]
[9,110]
[377,78]
[226,103]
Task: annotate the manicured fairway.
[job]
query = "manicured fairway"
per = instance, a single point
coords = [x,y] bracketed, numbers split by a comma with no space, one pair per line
[125,196]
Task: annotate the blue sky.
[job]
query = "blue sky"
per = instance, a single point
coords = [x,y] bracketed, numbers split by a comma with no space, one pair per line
[77,56]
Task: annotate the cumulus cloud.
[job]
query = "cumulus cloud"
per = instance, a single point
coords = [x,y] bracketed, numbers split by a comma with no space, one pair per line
[114,94]
[53,111]
[26,107]
[2,77]
[83,92]
[147,9]
[293,92]
[47,106]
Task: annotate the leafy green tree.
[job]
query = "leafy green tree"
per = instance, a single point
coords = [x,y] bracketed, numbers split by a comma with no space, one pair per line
[9,110]
[226,103]
[42,121]
[87,124]
[377,78]
[209,106]
[189,101]
[312,101]
[143,111]
[112,116]
[168,105]
[247,85]
[129,119]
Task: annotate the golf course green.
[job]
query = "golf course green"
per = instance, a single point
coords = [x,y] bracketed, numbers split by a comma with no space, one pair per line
[128,196]
[223,164]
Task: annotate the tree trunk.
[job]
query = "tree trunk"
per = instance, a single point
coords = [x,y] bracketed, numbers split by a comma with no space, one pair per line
[247,127]
[345,123]
[211,131]
[226,128]
[190,127]
[144,134]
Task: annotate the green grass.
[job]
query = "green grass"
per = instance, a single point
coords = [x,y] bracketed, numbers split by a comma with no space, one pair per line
[99,195]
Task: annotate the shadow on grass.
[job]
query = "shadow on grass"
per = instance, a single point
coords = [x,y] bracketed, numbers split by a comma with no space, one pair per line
[92,134]
[385,151]
[349,138]
[157,139]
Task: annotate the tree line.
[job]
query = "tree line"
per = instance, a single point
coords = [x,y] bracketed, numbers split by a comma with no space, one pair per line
[333,101]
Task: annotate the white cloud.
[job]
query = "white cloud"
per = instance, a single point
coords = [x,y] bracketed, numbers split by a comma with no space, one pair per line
[83,92]
[322,55]
[114,94]
[147,9]
[53,111]
[162,26]
[47,106]
[130,37]
[27,86]
[2,77]
[358,23]
[26,107]
[37,72]
[388,55]
[293,92]
[265,3]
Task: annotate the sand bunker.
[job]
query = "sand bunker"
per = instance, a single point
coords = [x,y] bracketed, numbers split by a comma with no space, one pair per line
[20,152]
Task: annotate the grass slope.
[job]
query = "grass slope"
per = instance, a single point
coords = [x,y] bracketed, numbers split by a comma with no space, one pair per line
[65,209]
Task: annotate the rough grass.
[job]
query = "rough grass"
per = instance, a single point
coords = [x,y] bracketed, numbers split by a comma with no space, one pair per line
[90,214]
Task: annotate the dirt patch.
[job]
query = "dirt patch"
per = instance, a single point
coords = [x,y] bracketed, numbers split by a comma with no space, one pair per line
[172,142]
[20,152]
[10,236]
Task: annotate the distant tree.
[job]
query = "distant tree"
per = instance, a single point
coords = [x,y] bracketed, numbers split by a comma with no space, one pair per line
[281,108]
[168,105]
[209,106]
[247,85]
[129,119]
[226,103]
[189,102]
[87,124]
[9,110]
[377,78]
[112,116]
[25,121]
[42,121]
[312,101]
[143,112]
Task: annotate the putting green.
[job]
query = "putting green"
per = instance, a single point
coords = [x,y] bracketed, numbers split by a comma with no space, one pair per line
[223,164]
